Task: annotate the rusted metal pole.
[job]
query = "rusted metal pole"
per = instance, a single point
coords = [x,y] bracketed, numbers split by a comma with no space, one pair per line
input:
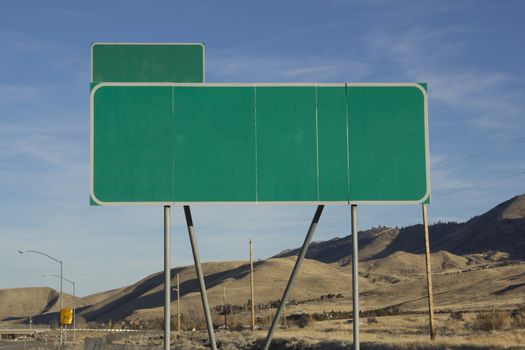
[429,276]
[252,288]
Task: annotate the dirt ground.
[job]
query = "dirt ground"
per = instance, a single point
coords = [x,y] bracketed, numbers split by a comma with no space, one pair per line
[404,332]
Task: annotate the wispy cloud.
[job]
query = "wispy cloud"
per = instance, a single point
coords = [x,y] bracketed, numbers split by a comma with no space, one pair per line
[47,147]
[266,68]
[444,179]
[18,93]
[429,54]
[43,57]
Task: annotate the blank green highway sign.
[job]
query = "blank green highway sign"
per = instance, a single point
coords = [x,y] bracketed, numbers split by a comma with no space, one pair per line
[147,62]
[161,143]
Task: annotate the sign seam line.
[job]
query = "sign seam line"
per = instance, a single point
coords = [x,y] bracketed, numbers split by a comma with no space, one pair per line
[347,145]
[317,139]
[256,148]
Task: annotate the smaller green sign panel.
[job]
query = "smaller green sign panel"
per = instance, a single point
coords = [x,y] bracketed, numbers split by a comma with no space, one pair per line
[147,62]
[161,143]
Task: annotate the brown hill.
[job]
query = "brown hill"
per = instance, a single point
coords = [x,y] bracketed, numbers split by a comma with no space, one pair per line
[24,302]
[16,304]
[148,293]
[392,273]
[470,282]
[98,297]
[338,250]
[145,298]
[500,229]
[405,265]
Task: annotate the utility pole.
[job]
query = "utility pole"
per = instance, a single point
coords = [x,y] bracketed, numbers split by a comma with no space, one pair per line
[251,288]
[284,315]
[178,303]
[429,276]
[494,313]
[270,311]
[224,306]
[284,311]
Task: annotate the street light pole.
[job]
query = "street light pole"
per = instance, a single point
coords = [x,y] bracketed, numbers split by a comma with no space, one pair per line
[22,251]
[74,300]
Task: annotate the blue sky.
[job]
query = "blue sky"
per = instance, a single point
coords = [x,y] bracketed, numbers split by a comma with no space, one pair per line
[471,53]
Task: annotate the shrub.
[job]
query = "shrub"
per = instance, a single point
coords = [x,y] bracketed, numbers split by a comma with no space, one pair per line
[456,315]
[386,311]
[371,320]
[518,318]
[492,321]
[300,320]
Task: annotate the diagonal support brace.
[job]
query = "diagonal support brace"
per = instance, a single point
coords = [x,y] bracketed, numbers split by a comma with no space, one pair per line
[293,276]
[198,268]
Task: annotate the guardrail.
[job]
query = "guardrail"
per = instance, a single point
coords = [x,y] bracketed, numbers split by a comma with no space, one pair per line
[26,331]
[24,326]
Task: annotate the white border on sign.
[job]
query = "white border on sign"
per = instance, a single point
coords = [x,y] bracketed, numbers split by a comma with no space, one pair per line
[143,44]
[416,85]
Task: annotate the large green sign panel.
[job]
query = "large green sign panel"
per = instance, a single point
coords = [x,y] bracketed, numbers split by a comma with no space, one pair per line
[163,143]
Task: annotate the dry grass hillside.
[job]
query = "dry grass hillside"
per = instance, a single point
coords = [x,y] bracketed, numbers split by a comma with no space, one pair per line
[482,268]
[499,229]
[471,282]
[17,304]
[98,297]
[22,302]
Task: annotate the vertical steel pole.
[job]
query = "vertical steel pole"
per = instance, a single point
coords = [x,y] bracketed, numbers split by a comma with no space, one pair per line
[178,304]
[198,268]
[295,271]
[429,275]
[60,313]
[355,278]
[252,289]
[167,277]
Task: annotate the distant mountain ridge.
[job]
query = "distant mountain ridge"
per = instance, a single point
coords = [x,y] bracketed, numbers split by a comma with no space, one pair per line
[391,273]
[500,229]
